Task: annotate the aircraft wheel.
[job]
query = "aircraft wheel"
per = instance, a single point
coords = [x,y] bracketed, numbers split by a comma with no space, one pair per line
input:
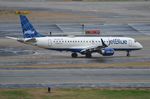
[88,55]
[74,55]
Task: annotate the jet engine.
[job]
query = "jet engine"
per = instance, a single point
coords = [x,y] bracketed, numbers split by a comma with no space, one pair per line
[107,51]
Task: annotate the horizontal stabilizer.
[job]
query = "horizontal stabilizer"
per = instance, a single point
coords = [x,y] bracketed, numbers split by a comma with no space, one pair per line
[11,38]
[23,40]
[31,40]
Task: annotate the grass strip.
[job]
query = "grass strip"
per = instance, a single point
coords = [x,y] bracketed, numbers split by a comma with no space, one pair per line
[73,93]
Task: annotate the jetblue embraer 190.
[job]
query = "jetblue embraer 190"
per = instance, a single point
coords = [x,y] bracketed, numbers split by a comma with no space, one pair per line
[105,46]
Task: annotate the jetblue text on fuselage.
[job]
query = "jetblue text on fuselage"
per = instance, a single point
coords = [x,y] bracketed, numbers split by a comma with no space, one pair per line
[117,41]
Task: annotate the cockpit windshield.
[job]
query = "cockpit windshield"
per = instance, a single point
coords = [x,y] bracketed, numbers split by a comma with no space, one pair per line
[135,41]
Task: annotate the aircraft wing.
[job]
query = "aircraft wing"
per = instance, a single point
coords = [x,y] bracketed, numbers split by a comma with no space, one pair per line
[94,48]
[91,49]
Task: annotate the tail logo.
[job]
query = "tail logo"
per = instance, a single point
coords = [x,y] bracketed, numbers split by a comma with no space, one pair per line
[29,32]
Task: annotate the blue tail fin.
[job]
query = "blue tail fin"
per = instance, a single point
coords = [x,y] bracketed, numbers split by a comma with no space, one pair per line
[27,28]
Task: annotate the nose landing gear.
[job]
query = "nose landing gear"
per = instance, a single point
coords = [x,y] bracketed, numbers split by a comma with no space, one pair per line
[128,53]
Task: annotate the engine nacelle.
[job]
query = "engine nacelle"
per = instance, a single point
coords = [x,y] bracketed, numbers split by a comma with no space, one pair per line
[107,51]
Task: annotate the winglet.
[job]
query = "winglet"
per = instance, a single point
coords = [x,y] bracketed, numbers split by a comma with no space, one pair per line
[103,43]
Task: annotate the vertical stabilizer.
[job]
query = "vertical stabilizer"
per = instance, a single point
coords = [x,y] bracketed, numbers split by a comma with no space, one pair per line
[27,28]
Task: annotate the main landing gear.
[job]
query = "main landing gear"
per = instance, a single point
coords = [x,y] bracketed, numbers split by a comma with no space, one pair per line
[128,53]
[88,55]
[74,55]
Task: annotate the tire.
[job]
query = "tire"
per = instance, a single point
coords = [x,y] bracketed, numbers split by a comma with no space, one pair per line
[74,55]
[88,55]
[128,53]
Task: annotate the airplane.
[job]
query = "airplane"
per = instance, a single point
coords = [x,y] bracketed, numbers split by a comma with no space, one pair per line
[84,45]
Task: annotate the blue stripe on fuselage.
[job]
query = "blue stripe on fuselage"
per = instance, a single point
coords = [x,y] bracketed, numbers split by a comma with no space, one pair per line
[66,49]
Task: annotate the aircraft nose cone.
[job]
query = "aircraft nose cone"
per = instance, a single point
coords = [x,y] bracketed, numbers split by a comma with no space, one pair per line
[140,46]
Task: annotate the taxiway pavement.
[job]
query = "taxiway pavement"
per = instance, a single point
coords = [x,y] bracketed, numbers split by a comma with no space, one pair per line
[113,18]
[75,78]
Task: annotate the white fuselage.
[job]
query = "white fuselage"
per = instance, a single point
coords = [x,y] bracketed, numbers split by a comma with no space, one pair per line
[76,44]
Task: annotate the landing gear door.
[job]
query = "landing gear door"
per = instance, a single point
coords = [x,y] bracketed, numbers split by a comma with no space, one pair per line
[49,42]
